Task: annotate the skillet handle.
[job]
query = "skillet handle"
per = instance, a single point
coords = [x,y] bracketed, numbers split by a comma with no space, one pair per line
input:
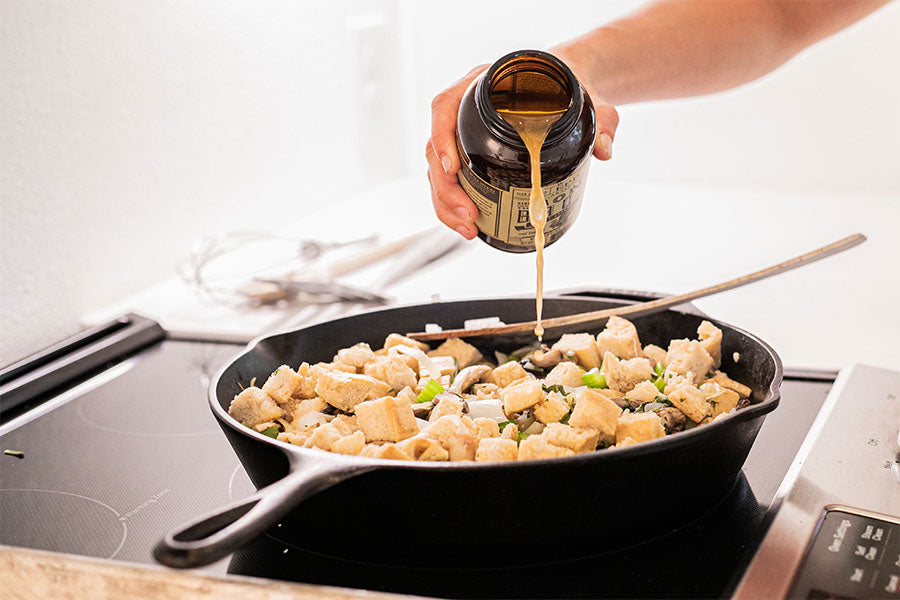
[226,529]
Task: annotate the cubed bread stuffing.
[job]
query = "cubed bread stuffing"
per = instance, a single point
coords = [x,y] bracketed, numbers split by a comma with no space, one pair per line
[253,406]
[565,373]
[711,340]
[386,419]
[576,440]
[688,356]
[580,346]
[506,374]
[496,449]
[621,338]
[355,356]
[535,405]
[595,411]
[519,396]
[640,427]
[625,374]
[345,390]
[392,370]
[690,401]
[551,409]
[465,353]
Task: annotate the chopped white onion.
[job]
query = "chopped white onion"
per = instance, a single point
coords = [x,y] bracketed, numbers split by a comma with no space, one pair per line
[425,363]
[433,328]
[736,356]
[310,419]
[482,323]
[491,409]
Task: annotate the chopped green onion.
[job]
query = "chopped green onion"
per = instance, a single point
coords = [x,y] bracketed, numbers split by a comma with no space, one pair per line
[246,424]
[594,380]
[659,369]
[565,419]
[432,389]
[664,400]
[16,453]
[559,389]
[272,431]
[504,424]
[660,385]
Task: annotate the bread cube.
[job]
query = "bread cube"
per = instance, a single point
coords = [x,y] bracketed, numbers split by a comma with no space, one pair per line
[628,441]
[576,440]
[487,428]
[465,353]
[253,406]
[446,365]
[496,449]
[350,444]
[506,374]
[386,451]
[688,356]
[551,409]
[711,340]
[621,338]
[303,407]
[345,390]
[292,437]
[395,339]
[643,392]
[655,354]
[424,449]
[581,346]
[625,374]
[595,411]
[690,401]
[386,419]
[536,446]
[486,391]
[345,424]
[640,427]
[392,370]
[446,404]
[356,356]
[726,382]
[307,387]
[458,437]
[510,432]
[721,400]
[336,366]
[519,396]
[323,437]
[281,384]
[565,373]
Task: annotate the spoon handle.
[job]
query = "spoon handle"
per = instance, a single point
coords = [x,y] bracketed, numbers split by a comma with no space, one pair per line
[636,310]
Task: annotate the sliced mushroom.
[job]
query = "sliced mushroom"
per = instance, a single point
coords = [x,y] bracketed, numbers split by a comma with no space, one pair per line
[468,377]
[524,420]
[421,410]
[672,418]
[546,359]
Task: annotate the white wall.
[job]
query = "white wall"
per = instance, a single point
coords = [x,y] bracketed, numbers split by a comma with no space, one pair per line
[127,129]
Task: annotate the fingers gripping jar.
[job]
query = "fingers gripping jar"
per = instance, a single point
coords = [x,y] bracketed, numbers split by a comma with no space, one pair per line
[495,169]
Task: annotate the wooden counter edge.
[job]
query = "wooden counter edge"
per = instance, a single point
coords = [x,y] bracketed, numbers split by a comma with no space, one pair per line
[27,574]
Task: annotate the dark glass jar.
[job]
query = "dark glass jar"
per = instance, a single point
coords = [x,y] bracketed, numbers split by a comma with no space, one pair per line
[494,161]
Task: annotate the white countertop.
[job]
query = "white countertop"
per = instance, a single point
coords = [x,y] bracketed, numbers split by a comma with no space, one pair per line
[673,239]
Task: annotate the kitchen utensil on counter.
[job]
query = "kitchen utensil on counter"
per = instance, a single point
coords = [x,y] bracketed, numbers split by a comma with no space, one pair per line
[421,513]
[599,317]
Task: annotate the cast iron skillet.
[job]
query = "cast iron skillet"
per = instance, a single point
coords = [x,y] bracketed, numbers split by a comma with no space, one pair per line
[405,512]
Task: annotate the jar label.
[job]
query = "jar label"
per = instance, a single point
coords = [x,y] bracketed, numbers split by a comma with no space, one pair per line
[503,214]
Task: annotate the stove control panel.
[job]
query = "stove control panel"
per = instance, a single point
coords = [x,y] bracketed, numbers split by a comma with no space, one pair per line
[852,555]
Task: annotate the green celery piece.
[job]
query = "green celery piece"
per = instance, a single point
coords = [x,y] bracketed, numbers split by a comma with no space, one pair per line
[503,425]
[594,380]
[522,436]
[432,389]
[659,369]
[272,431]
[660,385]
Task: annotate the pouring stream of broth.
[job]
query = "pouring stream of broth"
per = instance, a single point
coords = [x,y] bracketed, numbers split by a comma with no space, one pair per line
[533,116]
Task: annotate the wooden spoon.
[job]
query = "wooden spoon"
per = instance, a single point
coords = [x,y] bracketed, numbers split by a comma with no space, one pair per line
[644,308]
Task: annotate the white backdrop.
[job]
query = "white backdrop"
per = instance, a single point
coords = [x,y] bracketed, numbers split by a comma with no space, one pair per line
[129,129]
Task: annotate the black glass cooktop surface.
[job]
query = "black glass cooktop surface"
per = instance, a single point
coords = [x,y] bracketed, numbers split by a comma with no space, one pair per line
[113,463]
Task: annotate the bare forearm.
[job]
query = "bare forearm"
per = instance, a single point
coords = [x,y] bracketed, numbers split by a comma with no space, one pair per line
[677,48]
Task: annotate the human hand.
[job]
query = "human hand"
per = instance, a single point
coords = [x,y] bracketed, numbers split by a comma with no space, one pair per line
[451,204]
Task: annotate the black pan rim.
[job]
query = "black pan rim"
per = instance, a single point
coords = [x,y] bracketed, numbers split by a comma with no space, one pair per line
[297,454]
